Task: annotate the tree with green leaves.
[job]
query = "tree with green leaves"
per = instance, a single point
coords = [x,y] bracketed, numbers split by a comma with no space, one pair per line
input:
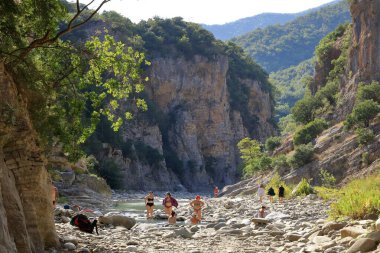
[253,157]
[304,110]
[309,132]
[362,114]
[369,92]
[69,86]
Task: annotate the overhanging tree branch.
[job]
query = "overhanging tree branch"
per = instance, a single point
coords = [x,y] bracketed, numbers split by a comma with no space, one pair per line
[46,39]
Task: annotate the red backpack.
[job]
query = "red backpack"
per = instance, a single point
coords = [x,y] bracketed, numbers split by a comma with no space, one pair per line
[84,224]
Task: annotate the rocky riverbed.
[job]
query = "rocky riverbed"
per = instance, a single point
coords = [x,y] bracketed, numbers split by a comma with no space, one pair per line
[297,225]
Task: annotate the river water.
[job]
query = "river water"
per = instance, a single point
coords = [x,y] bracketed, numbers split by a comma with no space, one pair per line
[136,208]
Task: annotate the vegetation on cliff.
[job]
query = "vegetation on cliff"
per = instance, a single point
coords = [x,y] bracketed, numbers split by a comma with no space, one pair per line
[176,39]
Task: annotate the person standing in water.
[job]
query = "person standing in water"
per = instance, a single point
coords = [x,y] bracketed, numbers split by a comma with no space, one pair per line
[216,192]
[168,202]
[149,203]
[261,193]
[281,193]
[197,205]
[271,194]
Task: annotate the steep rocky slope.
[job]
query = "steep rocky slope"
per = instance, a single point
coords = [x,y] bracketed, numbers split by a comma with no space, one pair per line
[201,128]
[26,212]
[337,149]
[203,97]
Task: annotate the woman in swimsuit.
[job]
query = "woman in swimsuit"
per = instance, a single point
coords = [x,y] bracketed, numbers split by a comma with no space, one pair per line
[149,203]
[168,203]
[197,204]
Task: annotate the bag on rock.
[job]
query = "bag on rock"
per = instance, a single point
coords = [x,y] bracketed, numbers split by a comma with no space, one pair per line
[84,224]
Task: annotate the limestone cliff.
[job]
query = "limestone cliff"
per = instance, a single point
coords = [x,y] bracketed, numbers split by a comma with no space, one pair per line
[26,215]
[364,58]
[193,126]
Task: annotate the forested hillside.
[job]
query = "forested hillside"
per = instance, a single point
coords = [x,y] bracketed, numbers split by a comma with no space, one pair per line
[281,46]
[290,85]
[242,26]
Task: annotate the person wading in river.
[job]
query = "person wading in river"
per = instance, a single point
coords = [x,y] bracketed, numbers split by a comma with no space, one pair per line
[168,203]
[197,204]
[149,204]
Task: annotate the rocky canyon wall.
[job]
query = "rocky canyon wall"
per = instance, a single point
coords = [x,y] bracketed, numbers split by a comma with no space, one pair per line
[194,125]
[26,212]
[364,58]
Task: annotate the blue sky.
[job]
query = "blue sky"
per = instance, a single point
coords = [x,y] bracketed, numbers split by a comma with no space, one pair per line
[206,11]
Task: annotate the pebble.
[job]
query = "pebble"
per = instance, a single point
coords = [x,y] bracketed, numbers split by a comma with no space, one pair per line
[228,225]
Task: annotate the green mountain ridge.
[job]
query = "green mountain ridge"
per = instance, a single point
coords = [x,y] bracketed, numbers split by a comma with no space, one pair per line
[241,26]
[278,47]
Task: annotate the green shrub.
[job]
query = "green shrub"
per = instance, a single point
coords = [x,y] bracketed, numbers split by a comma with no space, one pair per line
[364,136]
[304,110]
[359,198]
[365,158]
[280,161]
[362,114]
[253,157]
[302,155]
[327,193]
[328,92]
[303,188]
[327,179]
[309,132]
[368,92]
[272,143]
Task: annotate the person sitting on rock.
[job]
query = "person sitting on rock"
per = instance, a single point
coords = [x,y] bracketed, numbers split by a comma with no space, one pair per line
[168,203]
[197,205]
[271,194]
[261,193]
[262,212]
[281,193]
[172,218]
[149,203]
[216,192]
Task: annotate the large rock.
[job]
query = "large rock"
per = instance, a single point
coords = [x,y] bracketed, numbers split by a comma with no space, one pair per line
[68,178]
[293,237]
[320,240]
[183,232]
[374,236]
[353,232]
[377,224]
[260,221]
[332,226]
[362,245]
[118,220]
